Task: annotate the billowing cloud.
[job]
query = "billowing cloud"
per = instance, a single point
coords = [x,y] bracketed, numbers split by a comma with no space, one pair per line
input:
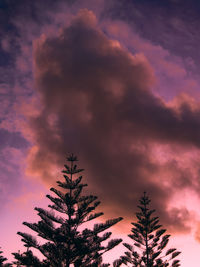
[96,101]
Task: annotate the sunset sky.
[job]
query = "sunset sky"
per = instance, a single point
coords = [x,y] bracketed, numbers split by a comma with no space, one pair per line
[117,82]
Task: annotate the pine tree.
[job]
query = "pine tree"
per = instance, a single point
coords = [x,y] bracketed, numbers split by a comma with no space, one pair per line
[150,241]
[67,241]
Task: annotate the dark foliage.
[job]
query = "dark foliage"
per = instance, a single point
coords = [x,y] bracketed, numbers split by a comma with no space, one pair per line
[149,241]
[2,260]
[67,241]
[28,259]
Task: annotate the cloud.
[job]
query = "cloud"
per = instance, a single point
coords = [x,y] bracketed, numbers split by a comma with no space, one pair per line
[197,232]
[97,101]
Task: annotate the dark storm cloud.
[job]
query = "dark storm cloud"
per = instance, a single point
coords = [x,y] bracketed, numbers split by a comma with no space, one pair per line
[96,102]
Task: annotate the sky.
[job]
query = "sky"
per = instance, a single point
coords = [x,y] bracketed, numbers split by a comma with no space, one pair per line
[115,82]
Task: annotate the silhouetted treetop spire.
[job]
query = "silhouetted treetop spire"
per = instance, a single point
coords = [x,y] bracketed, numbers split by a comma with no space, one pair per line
[148,249]
[67,238]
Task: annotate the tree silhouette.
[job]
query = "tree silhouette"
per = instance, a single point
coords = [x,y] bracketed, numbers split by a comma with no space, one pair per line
[68,241]
[150,241]
[2,259]
[28,259]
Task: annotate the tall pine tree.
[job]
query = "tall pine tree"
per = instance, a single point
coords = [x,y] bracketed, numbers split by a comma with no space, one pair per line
[67,240]
[150,241]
